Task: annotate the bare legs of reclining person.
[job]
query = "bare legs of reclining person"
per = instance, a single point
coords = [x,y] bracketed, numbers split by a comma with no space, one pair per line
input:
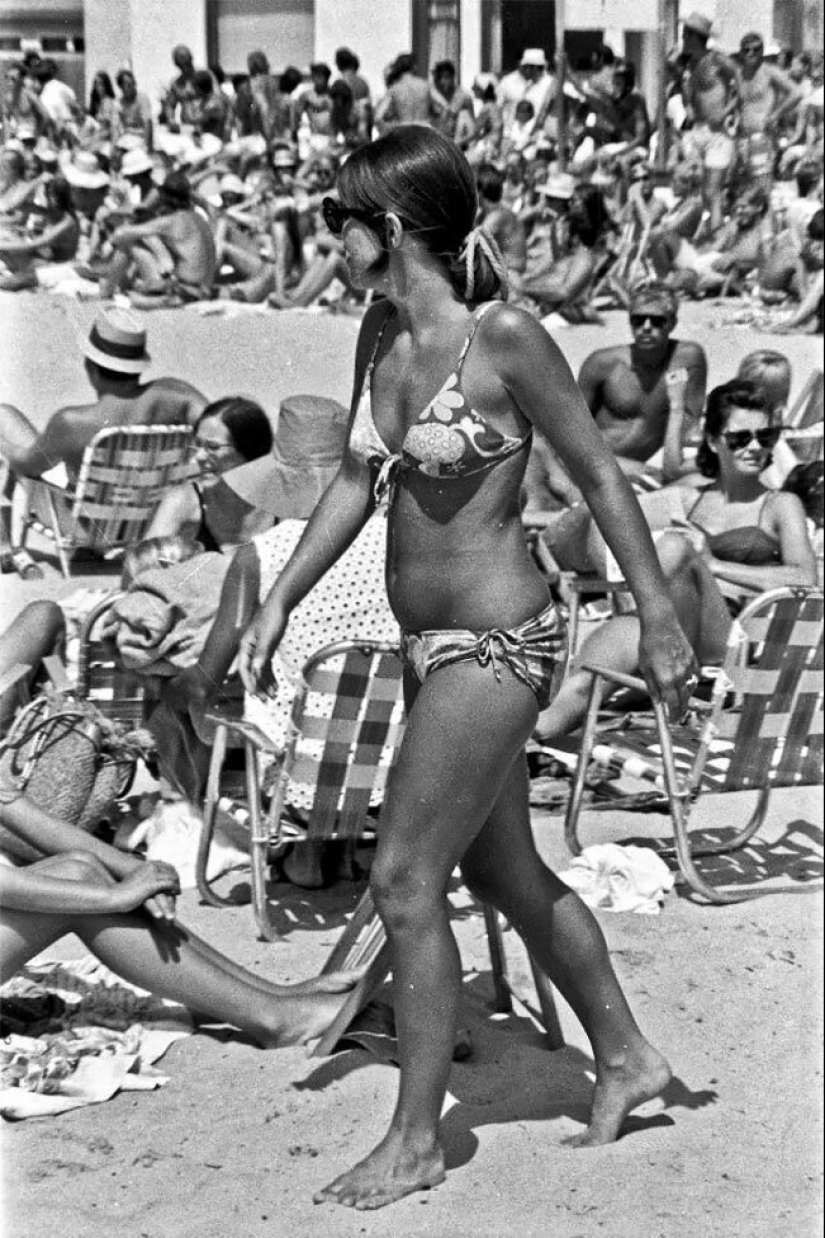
[702,612]
[122,909]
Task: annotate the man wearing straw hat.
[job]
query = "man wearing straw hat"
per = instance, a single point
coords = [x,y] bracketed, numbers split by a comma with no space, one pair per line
[115,356]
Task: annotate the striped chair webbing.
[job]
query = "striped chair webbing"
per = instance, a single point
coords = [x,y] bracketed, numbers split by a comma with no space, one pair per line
[639,756]
[777,733]
[118,694]
[350,722]
[124,474]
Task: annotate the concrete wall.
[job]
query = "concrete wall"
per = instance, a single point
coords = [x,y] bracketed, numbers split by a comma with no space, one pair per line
[376,30]
[141,34]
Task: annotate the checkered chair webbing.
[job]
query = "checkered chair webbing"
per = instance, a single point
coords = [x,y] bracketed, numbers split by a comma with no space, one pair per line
[124,473]
[346,727]
[763,728]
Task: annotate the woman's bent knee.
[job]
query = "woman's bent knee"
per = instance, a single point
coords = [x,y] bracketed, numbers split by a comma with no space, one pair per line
[675,553]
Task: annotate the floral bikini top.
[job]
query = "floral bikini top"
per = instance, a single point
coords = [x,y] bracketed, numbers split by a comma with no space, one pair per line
[449,439]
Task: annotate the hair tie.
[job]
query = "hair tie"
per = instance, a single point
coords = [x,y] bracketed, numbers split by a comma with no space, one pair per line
[479,239]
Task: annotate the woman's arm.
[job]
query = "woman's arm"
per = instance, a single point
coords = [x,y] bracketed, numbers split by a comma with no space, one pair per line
[52,836]
[47,237]
[531,365]
[25,889]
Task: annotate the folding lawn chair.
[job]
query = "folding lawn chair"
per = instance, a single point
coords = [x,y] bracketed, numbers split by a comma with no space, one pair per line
[124,473]
[763,728]
[345,732]
[119,694]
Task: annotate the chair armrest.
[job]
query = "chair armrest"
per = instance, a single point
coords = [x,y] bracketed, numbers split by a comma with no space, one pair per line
[625,681]
[247,730]
[638,685]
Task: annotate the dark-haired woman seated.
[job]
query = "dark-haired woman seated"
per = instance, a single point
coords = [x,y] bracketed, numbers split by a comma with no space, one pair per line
[228,433]
[732,536]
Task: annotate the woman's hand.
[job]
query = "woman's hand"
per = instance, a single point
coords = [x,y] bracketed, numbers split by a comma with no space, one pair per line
[258,643]
[668,664]
[154,884]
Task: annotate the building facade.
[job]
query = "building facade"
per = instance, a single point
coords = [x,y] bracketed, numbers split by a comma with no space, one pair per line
[476,34]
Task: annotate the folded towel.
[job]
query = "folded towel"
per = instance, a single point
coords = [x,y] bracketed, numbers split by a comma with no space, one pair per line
[162,623]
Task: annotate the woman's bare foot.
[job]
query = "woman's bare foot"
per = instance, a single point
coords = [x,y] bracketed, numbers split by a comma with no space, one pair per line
[622,1083]
[391,1171]
[332,982]
[304,1016]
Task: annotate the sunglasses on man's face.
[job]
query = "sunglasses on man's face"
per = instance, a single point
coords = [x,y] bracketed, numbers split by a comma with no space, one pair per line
[657,321]
[336,215]
[738,440]
[751,49]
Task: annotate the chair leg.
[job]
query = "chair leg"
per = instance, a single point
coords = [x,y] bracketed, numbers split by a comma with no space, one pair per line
[679,814]
[210,814]
[504,991]
[258,845]
[574,803]
[745,834]
[65,565]
[547,1005]
[498,960]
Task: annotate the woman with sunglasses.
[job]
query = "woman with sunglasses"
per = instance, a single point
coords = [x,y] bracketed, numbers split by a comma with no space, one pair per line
[228,433]
[449,382]
[733,538]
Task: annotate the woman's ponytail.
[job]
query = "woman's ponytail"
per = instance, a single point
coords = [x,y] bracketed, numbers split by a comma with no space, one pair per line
[478,272]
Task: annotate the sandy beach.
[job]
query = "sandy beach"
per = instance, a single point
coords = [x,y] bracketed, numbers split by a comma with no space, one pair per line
[238,1140]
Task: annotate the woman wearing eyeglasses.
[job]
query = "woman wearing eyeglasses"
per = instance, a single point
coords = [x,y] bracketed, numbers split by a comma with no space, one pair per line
[228,433]
[448,385]
[733,538]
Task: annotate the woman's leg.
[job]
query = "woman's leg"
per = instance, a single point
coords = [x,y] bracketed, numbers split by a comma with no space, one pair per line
[169,961]
[38,630]
[463,733]
[700,608]
[503,868]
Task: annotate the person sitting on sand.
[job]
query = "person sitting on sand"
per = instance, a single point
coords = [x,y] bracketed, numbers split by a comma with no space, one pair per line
[181,267]
[228,433]
[123,910]
[733,537]
[16,188]
[55,241]
[114,358]
[808,317]
[563,283]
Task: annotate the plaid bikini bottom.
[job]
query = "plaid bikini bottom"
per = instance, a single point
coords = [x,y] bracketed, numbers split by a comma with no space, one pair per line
[535,651]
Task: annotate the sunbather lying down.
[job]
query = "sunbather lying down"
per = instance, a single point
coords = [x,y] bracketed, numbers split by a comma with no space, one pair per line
[123,910]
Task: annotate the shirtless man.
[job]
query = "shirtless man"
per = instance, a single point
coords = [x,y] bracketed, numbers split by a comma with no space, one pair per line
[766,94]
[644,396]
[114,358]
[711,96]
[173,253]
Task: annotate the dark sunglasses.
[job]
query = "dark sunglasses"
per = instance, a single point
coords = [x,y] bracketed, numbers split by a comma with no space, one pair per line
[747,48]
[738,440]
[336,215]
[655,320]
